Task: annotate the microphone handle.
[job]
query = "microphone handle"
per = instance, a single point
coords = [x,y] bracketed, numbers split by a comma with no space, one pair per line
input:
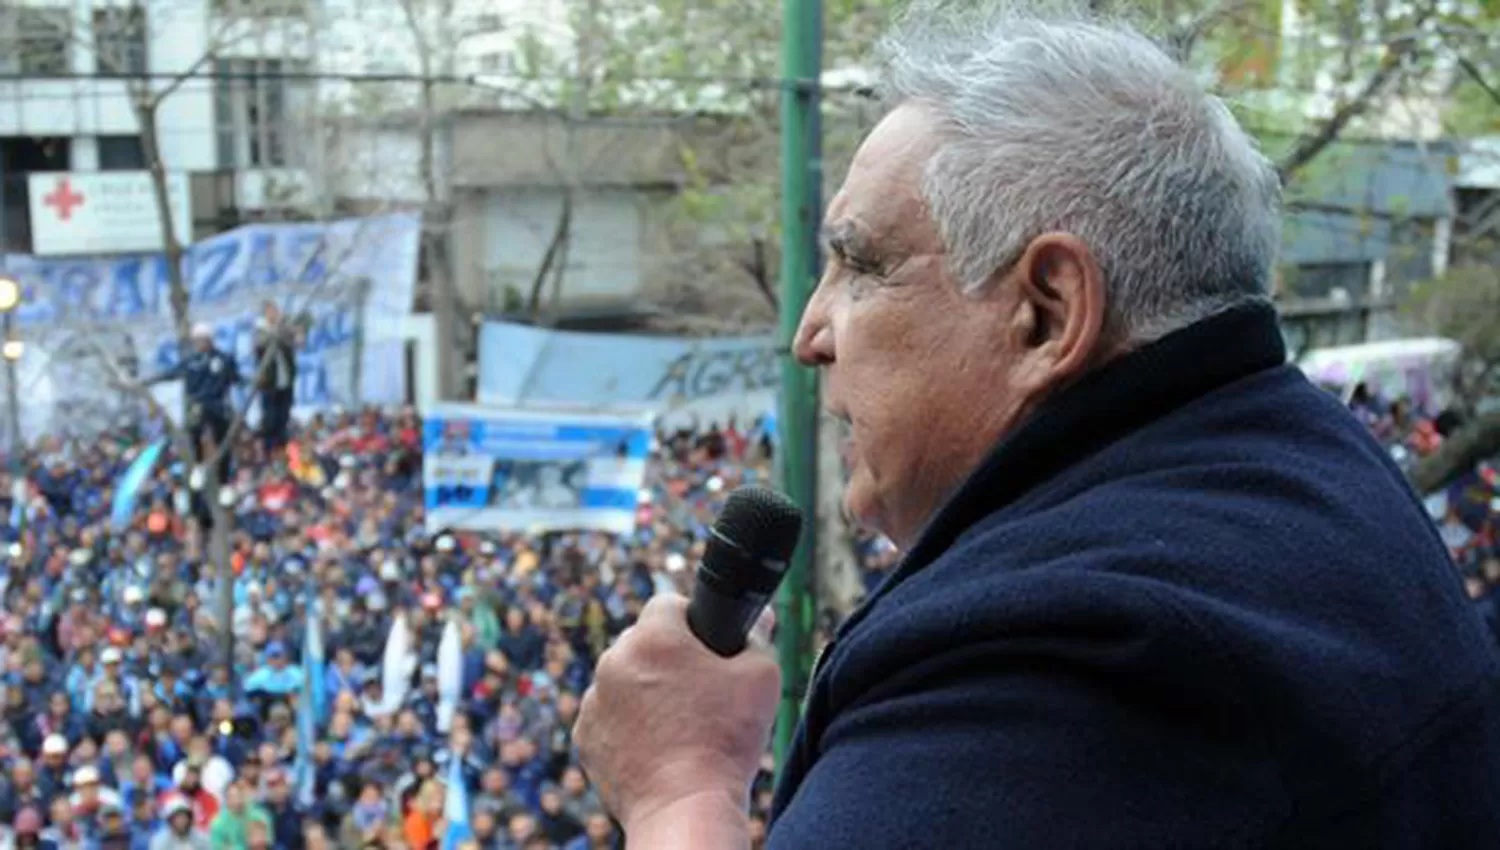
[722,618]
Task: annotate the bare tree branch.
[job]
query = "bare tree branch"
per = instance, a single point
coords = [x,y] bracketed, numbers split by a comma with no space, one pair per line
[760,272]
[1474,74]
[1470,444]
[117,378]
[1309,147]
[550,258]
[1184,39]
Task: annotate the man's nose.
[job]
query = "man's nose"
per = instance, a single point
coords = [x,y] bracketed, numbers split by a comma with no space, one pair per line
[813,343]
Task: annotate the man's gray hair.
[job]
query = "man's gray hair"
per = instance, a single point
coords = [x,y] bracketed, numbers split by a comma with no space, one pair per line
[1055,121]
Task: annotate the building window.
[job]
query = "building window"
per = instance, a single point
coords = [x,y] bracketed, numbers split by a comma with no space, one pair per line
[35,40]
[496,62]
[120,39]
[253,107]
[121,153]
[1328,280]
[261,8]
[18,158]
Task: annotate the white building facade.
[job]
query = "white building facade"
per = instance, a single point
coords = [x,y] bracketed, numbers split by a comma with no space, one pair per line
[273,103]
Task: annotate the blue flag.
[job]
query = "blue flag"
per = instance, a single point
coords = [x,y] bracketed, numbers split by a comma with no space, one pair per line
[128,489]
[456,806]
[308,707]
[313,658]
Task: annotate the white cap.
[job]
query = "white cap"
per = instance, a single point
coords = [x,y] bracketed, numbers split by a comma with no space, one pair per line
[110,655]
[676,563]
[55,745]
[156,618]
[132,595]
[86,775]
[203,330]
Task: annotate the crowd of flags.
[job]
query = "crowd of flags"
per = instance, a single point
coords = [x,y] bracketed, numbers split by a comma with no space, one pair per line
[398,665]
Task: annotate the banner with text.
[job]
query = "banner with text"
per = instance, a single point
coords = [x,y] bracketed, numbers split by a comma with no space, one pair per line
[352,279]
[712,378]
[485,469]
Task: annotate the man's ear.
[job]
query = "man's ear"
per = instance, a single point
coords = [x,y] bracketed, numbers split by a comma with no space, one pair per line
[1060,283]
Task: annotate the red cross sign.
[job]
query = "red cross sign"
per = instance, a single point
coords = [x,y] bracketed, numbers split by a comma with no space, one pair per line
[64,199]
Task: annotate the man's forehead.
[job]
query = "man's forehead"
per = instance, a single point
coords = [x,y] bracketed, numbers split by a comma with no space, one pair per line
[880,193]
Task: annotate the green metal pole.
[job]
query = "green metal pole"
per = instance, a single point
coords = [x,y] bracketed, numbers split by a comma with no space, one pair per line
[798,416]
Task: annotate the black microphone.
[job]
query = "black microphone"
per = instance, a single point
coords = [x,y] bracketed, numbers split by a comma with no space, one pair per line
[748,550]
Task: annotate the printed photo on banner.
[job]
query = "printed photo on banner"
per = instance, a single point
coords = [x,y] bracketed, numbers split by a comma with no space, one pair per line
[493,469]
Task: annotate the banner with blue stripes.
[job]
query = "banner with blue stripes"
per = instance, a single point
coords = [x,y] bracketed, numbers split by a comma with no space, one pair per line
[488,469]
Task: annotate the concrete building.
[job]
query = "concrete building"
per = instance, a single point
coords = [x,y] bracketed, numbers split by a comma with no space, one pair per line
[263,123]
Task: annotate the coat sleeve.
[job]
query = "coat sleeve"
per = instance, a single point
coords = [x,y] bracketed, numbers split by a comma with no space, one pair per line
[176,373]
[1033,741]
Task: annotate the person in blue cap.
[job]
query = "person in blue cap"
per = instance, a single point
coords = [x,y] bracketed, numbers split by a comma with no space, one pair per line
[277,677]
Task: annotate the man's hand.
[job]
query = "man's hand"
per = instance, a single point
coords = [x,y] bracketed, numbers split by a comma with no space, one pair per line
[672,732]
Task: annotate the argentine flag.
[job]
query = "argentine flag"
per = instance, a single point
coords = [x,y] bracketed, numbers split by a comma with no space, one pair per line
[129,487]
[309,707]
[456,806]
[313,658]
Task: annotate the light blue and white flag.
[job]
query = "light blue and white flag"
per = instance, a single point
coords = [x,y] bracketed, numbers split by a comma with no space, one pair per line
[456,806]
[128,489]
[313,658]
[309,708]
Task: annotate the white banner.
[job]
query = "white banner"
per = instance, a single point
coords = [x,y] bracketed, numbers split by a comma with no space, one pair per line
[354,279]
[710,379]
[103,212]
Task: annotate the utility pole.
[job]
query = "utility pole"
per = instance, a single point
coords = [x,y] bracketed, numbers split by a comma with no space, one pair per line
[798,416]
[357,367]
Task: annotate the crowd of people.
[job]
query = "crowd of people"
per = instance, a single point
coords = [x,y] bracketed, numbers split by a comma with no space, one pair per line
[1466,511]
[127,726]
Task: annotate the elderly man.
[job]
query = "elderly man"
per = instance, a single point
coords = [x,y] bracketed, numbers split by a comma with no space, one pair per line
[1158,590]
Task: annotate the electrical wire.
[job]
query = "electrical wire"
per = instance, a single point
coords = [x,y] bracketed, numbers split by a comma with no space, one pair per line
[487,82]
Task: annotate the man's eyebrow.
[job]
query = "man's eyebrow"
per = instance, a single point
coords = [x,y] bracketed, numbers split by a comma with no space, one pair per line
[842,237]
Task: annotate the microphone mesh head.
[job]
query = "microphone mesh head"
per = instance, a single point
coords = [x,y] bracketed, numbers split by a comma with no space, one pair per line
[763,522]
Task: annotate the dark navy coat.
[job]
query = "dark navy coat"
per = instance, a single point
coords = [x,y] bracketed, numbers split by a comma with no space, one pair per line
[1189,604]
[207,377]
